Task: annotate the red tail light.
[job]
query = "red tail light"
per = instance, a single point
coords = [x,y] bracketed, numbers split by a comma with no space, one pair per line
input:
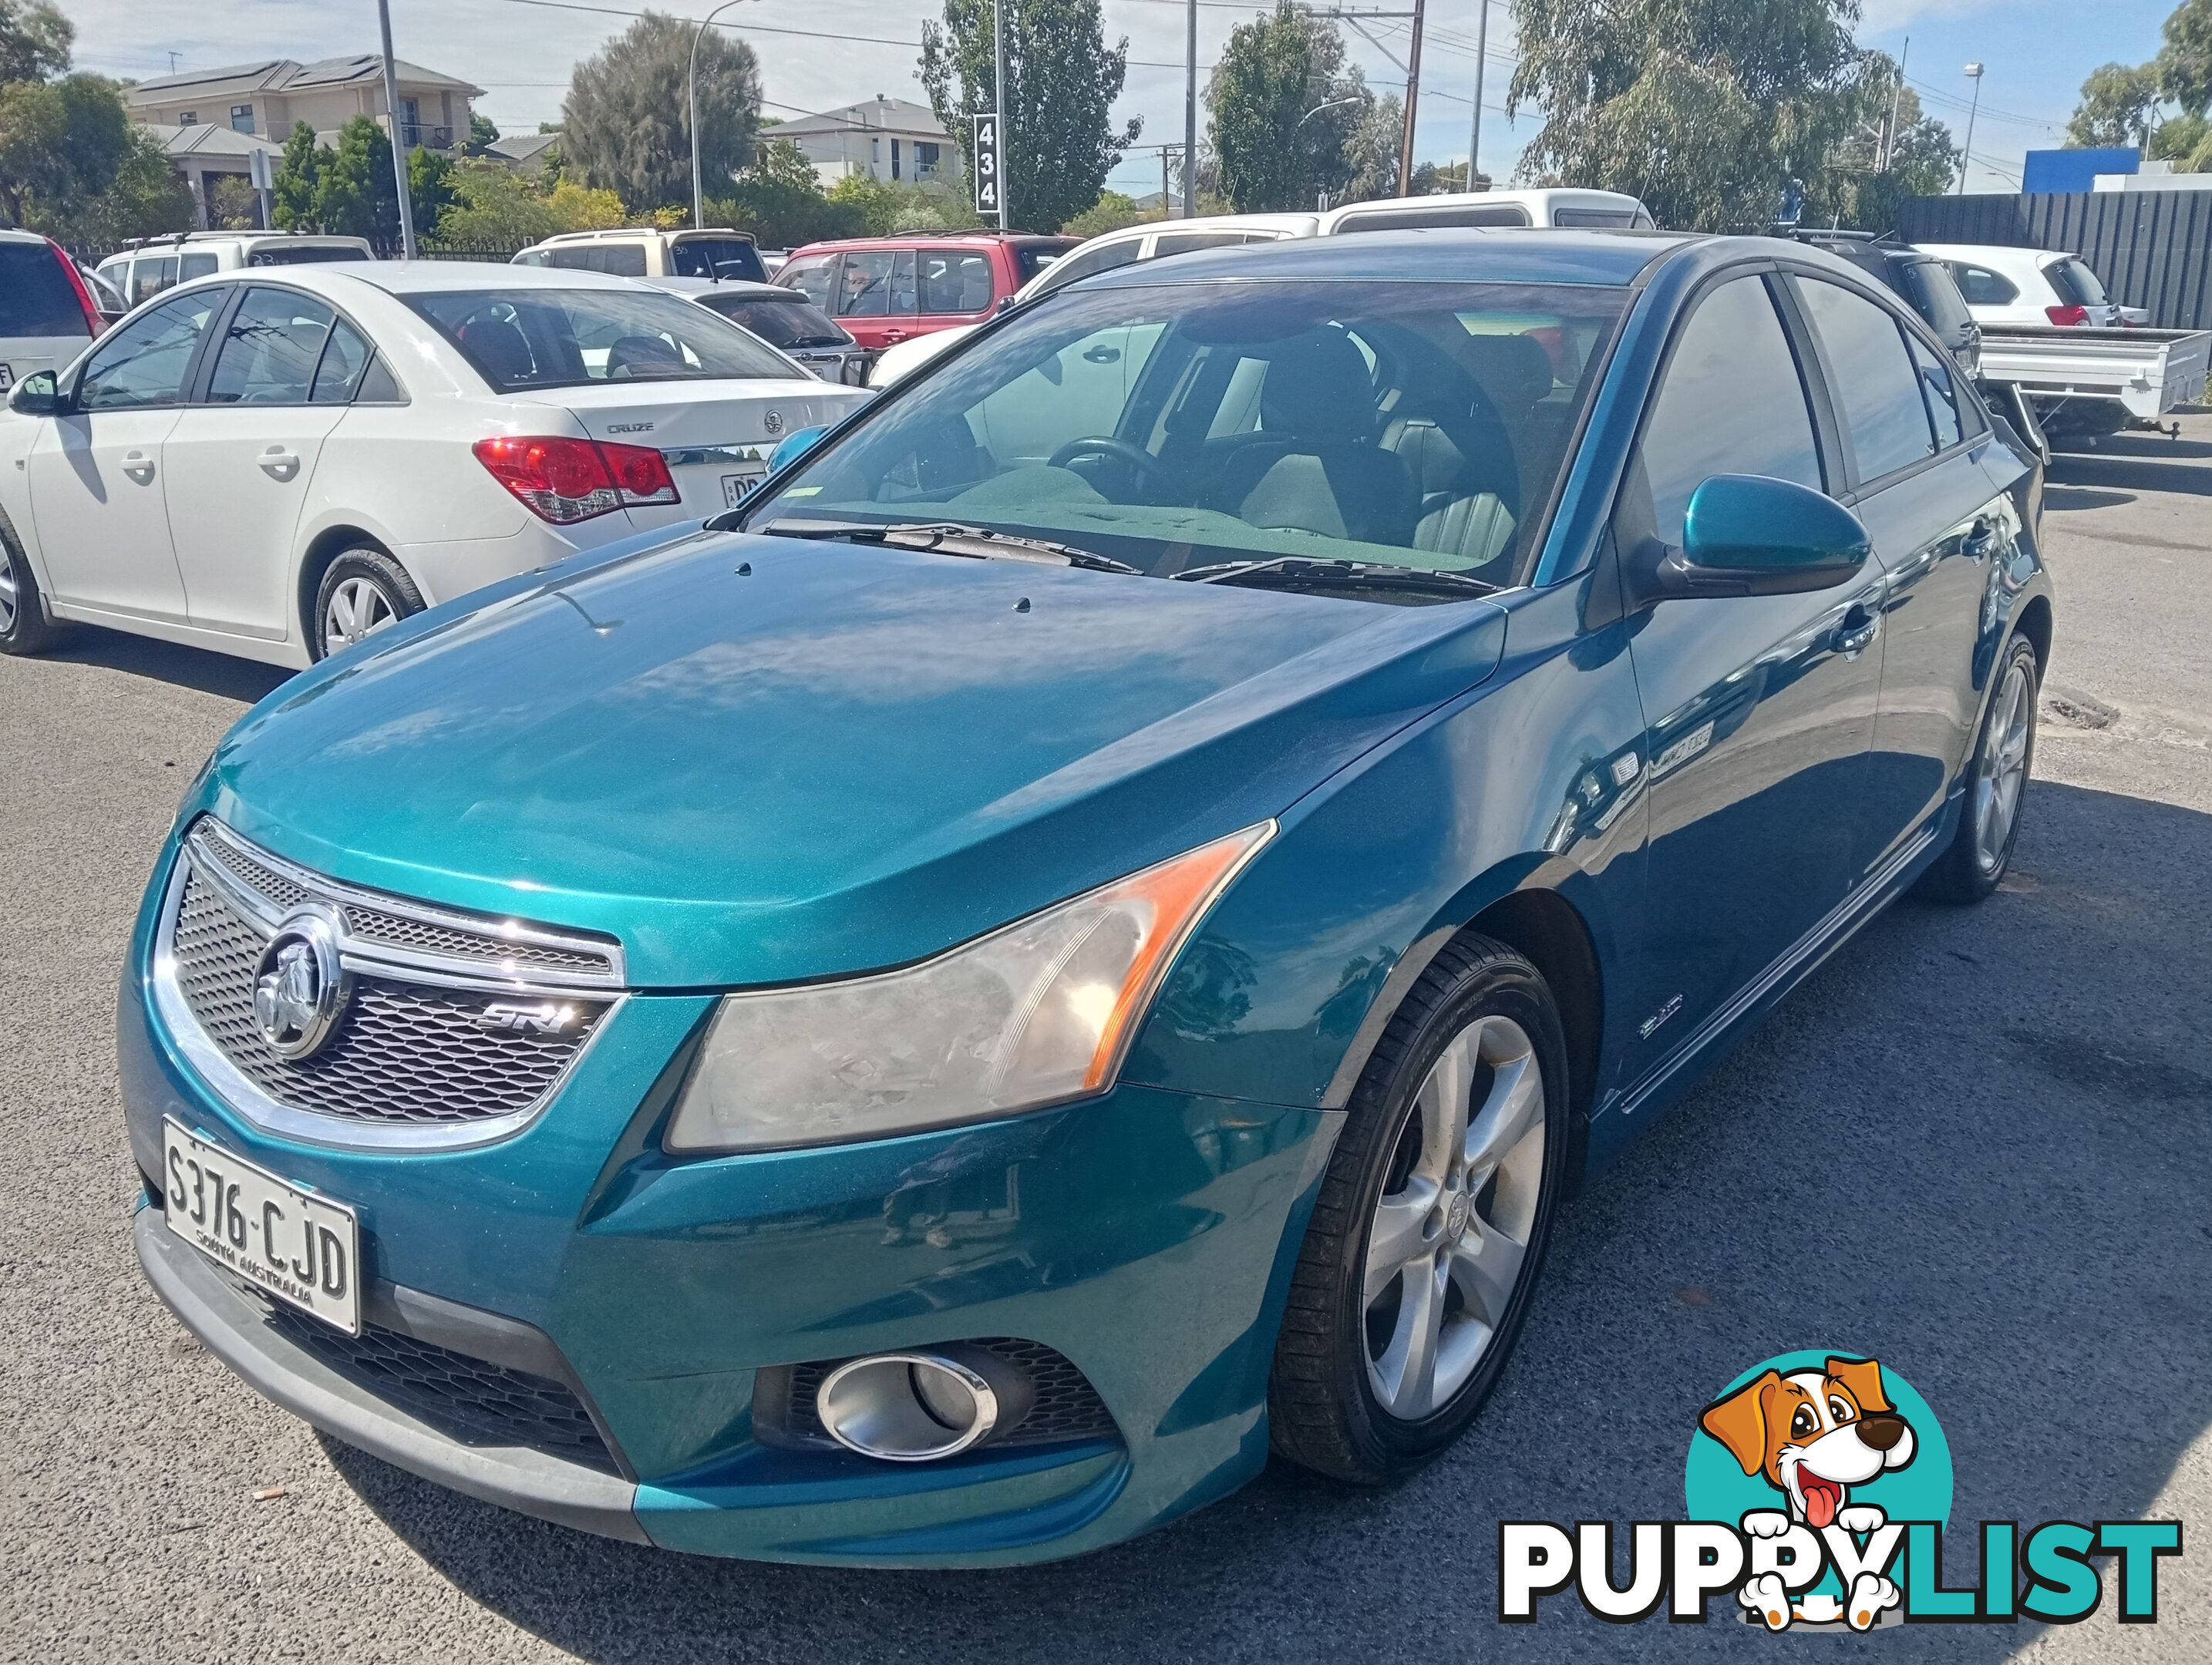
[2068,316]
[565,480]
[92,320]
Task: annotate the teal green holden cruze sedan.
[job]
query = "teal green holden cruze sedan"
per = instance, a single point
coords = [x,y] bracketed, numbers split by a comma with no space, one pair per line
[1079,936]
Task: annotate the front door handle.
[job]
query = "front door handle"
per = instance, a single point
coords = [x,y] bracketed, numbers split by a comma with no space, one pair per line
[279,463]
[138,466]
[1861,625]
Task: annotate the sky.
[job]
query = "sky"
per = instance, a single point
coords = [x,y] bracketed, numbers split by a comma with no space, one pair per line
[817,54]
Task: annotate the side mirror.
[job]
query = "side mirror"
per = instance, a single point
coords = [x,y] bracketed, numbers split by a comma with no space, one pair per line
[36,395]
[1745,534]
[795,445]
[1005,304]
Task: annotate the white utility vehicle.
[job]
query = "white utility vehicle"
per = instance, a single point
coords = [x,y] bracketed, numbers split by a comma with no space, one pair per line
[1156,239]
[276,463]
[145,268]
[646,252]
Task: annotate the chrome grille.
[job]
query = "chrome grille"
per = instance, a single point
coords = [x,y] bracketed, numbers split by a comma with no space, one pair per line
[417,1055]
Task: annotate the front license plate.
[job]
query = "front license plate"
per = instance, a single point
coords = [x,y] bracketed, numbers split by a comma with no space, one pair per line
[735,486]
[299,1248]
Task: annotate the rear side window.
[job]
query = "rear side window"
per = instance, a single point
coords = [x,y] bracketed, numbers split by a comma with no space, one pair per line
[617,260]
[36,295]
[270,350]
[196,263]
[1981,287]
[1406,219]
[877,284]
[343,360]
[1942,391]
[1876,385]
[1732,403]
[143,363]
[809,276]
[2076,284]
[150,275]
[1609,218]
[954,281]
[1182,242]
[1031,259]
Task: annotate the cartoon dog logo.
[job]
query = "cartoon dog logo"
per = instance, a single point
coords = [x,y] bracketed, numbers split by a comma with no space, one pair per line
[1813,1435]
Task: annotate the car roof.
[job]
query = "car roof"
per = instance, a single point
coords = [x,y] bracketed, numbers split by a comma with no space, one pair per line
[430,276]
[907,239]
[1995,254]
[1443,254]
[11,235]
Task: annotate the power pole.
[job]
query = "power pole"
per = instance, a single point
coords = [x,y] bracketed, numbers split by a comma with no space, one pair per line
[999,96]
[1896,105]
[1966,159]
[1474,132]
[1190,116]
[399,149]
[1413,104]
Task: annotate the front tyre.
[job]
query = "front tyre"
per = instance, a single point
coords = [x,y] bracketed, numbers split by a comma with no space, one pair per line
[362,591]
[1980,851]
[24,627]
[1415,1275]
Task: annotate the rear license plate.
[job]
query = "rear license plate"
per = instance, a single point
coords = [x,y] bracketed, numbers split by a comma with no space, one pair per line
[299,1248]
[735,486]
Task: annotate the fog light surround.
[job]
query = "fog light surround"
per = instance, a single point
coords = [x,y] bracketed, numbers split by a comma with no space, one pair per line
[920,1407]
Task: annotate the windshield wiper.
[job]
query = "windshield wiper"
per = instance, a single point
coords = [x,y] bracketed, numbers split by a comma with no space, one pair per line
[1302,571]
[949,537]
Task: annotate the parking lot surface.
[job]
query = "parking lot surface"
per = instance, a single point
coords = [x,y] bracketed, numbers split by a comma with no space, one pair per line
[1976,1145]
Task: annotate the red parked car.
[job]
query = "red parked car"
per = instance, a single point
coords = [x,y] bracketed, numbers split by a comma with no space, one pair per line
[885,289]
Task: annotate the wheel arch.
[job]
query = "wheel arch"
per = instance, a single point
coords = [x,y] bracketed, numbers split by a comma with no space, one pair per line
[325,547]
[2034,623]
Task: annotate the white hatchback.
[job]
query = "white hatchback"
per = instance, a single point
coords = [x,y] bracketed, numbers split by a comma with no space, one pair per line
[2013,288]
[275,463]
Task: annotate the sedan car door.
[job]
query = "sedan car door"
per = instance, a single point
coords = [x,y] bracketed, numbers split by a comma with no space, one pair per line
[1759,710]
[241,459]
[1935,500]
[96,470]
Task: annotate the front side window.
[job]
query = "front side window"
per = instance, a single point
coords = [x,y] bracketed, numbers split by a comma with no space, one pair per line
[1983,288]
[1386,441]
[877,284]
[144,362]
[526,338]
[1731,401]
[1876,385]
[270,350]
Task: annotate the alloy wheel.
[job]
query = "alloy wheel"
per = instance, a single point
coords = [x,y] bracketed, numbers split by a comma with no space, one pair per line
[9,600]
[1450,1234]
[2002,772]
[358,607]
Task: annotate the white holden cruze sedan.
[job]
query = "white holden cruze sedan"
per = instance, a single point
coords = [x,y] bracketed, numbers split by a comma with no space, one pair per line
[276,463]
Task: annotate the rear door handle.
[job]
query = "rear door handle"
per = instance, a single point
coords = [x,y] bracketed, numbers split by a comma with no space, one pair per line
[138,466]
[279,463]
[1861,625]
[1979,541]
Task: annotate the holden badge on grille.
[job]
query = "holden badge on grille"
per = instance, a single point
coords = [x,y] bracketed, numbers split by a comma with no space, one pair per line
[300,988]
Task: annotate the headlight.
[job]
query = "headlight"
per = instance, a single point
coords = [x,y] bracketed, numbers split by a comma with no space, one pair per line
[1038,1011]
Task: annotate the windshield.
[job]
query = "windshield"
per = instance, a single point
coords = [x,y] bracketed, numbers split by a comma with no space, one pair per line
[793,323]
[1187,427]
[297,254]
[2075,283]
[522,339]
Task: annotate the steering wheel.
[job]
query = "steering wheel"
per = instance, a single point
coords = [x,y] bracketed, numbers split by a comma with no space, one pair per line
[1148,467]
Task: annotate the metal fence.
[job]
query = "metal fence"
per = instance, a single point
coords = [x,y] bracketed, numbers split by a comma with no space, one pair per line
[2153,248]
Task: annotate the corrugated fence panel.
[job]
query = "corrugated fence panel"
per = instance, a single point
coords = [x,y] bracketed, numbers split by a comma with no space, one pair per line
[2153,248]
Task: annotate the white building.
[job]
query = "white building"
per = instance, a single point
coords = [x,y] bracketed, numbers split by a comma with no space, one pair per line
[886,138]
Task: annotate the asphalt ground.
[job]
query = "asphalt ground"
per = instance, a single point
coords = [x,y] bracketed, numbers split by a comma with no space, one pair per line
[1978,1144]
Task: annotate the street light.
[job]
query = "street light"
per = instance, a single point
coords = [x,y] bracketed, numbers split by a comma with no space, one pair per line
[1967,160]
[691,81]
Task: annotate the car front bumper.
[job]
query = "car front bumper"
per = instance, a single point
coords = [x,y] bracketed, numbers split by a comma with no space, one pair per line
[1146,1235]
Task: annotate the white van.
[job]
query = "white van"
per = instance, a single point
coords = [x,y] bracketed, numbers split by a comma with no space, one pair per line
[644,252]
[147,265]
[1156,239]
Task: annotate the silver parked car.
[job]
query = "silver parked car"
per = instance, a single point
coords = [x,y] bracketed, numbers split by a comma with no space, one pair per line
[785,319]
